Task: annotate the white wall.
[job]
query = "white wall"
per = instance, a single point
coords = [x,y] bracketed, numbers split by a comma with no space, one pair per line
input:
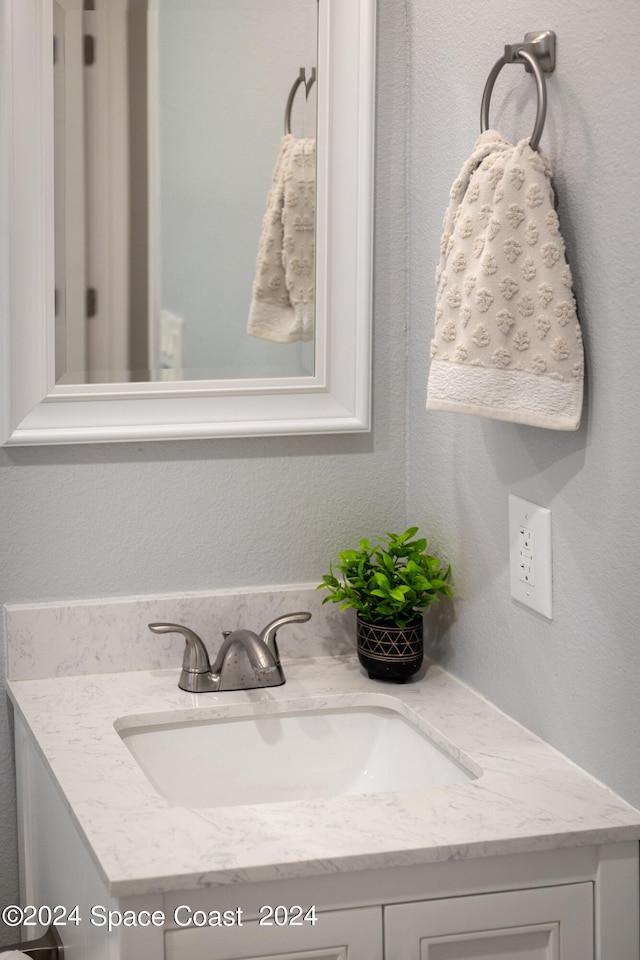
[81,522]
[574,680]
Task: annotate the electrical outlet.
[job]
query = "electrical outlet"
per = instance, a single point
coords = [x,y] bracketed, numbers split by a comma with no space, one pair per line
[530,555]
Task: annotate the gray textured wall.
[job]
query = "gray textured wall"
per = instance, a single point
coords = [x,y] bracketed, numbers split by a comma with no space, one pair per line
[573,680]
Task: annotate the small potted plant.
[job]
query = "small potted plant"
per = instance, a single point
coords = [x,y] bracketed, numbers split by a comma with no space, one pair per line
[388,583]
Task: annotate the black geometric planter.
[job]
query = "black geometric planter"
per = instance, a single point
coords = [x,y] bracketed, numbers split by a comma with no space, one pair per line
[389,652]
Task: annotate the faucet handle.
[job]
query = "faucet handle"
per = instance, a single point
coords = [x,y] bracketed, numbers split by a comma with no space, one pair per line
[196,658]
[268,635]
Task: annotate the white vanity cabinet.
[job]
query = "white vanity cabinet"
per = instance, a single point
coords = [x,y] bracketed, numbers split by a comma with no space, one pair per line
[580,903]
[573,902]
[335,935]
[552,923]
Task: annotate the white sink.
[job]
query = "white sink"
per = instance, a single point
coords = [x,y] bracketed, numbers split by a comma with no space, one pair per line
[288,756]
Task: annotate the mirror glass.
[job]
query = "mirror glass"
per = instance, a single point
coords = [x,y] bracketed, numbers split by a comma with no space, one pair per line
[184,213]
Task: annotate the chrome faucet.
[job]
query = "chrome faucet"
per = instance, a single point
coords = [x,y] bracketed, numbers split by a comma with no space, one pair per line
[245,660]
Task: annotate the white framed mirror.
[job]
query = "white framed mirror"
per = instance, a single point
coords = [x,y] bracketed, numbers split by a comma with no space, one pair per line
[39,406]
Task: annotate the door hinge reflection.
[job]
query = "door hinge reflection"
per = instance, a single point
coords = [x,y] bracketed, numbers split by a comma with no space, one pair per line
[89,49]
[92,302]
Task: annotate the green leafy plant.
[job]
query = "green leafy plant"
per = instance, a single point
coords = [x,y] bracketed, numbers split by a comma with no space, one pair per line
[388,581]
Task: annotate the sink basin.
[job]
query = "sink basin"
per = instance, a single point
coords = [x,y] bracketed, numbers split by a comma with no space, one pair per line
[288,756]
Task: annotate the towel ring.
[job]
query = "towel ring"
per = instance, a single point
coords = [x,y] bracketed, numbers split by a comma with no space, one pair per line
[523,56]
[301,78]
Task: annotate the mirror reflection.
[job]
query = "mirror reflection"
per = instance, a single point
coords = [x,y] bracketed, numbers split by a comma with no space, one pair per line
[184,210]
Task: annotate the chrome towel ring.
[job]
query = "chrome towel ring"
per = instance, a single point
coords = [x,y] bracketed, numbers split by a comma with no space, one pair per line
[538,54]
[301,78]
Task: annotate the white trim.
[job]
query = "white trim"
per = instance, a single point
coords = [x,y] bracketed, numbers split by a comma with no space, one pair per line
[336,399]
[6,357]
[70,322]
[107,179]
[617,902]
[154,272]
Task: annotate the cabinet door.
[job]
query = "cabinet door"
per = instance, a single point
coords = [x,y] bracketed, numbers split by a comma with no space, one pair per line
[336,935]
[554,923]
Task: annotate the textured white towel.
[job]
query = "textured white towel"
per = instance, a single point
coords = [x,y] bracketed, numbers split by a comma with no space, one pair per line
[507,341]
[282,307]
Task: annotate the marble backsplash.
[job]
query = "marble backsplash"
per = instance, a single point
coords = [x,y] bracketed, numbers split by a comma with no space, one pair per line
[112,635]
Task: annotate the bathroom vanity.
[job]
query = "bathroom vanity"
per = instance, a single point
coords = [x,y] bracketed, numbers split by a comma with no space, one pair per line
[513,851]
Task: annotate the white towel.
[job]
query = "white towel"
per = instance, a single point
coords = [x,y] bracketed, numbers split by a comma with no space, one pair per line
[507,341]
[282,306]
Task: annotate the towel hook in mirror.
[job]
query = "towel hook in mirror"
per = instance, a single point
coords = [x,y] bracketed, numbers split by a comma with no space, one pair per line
[538,53]
[301,78]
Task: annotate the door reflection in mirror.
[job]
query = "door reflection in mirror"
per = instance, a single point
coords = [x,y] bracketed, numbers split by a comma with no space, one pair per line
[168,128]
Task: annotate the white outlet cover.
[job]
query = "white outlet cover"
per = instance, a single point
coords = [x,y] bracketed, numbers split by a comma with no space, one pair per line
[536,594]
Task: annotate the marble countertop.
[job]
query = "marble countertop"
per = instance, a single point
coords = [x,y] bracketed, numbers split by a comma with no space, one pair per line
[527,797]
